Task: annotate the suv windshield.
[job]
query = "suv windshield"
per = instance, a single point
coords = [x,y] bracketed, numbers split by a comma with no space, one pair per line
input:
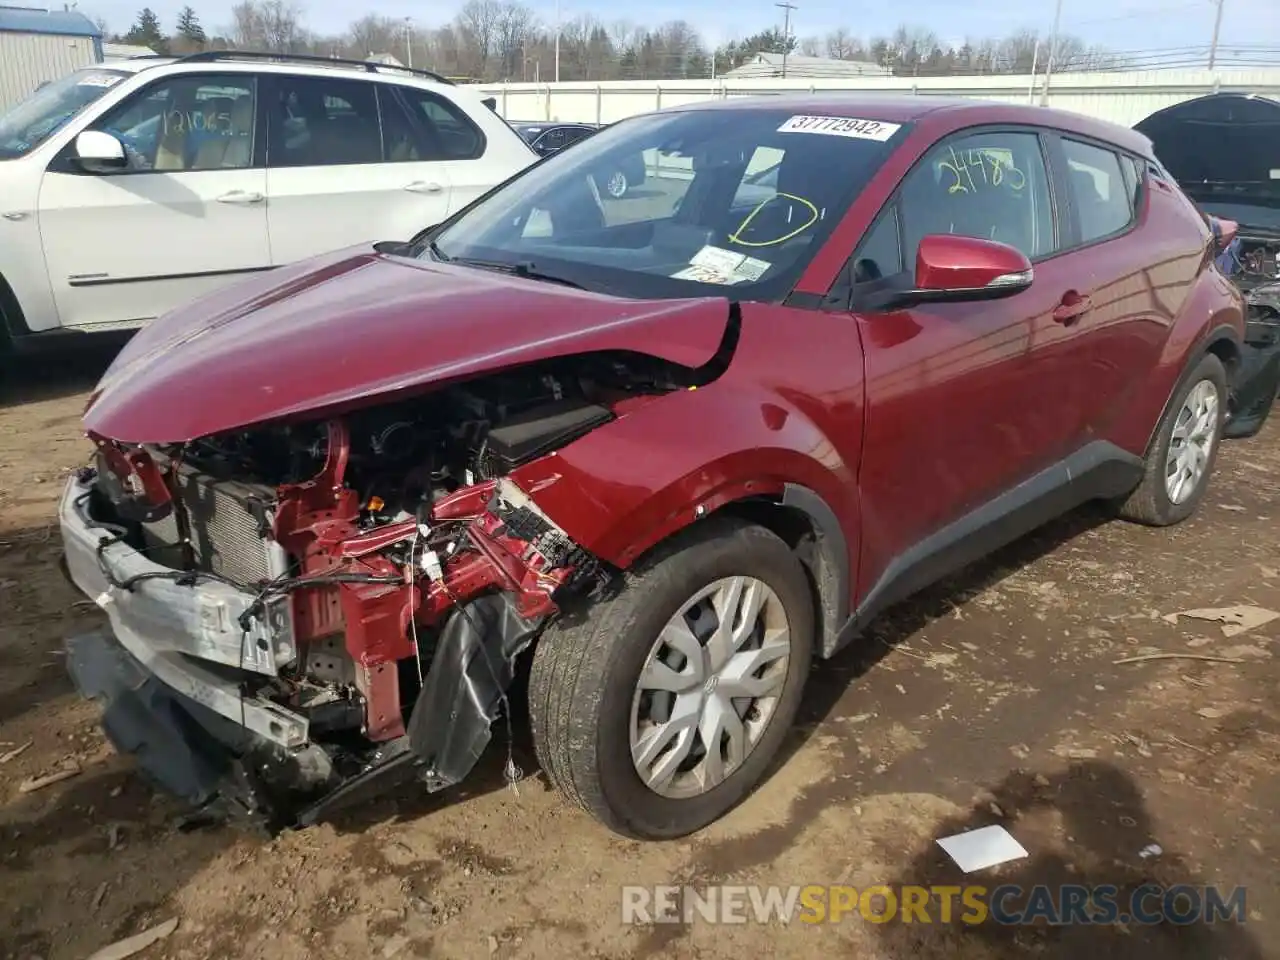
[727,197]
[31,122]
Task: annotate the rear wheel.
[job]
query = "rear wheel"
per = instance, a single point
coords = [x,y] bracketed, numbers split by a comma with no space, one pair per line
[1182,457]
[663,709]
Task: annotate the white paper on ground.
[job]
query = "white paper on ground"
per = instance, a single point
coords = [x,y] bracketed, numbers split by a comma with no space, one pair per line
[982,848]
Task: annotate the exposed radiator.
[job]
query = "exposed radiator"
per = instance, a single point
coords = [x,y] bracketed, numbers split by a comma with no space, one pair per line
[225,529]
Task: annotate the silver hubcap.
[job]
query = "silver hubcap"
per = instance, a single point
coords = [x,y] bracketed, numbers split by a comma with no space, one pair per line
[618,184]
[709,687]
[1194,434]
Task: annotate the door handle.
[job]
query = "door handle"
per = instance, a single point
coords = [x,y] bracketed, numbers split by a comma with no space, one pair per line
[421,186]
[1072,308]
[241,196]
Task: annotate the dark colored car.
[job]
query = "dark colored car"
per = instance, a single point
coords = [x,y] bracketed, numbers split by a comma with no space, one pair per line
[667,453]
[549,138]
[1224,151]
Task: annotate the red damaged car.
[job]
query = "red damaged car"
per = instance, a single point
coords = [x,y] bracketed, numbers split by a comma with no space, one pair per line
[678,446]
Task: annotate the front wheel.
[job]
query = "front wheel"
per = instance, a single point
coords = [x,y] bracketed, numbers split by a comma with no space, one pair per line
[662,710]
[1185,449]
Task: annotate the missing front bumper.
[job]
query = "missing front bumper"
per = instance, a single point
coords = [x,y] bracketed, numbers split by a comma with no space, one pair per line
[212,762]
[178,699]
[186,748]
[185,635]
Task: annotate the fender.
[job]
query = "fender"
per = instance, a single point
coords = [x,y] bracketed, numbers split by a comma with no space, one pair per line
[629,485]
[1197,331]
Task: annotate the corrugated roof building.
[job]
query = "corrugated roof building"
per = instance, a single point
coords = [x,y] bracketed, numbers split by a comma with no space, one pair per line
[124,51]
[38,45]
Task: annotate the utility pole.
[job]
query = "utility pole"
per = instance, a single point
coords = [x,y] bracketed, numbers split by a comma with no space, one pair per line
[1217,28]
[408,41]
[557,41]
[786,7]
[1035,62]
[1053,49]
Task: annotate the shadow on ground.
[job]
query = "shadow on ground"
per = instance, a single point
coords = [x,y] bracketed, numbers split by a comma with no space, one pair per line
[113,889]
[1085,828]
[67,367]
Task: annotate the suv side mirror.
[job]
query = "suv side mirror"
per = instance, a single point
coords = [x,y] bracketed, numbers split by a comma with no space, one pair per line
[955,269]
[99,152]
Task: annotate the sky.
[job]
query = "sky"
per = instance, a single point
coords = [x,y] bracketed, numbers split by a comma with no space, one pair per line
[1121,25]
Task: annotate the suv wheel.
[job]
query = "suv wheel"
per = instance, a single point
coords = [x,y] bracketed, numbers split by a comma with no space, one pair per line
[1185,449]
[617,185]
[660,710]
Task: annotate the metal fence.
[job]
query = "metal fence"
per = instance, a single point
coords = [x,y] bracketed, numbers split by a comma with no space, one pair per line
[1120,97]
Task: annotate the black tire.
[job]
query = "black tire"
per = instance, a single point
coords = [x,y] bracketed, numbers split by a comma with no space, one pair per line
[1150,503]
[584,675]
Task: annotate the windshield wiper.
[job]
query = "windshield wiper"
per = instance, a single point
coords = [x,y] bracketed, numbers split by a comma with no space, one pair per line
[524,268]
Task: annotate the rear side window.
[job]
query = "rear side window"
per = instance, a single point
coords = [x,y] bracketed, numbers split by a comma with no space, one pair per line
[444,131]
[553,139]
[1100,193]
[324,121]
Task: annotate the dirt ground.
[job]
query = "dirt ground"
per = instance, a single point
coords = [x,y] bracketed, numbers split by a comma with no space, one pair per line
[994,698]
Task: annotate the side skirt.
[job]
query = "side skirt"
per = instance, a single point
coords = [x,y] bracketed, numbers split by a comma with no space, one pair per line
[1099,470]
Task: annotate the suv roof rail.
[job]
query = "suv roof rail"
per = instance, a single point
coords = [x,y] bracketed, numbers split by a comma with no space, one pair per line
[370,66]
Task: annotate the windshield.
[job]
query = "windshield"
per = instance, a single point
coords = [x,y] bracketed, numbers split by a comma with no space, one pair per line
[665,204]
[34,120]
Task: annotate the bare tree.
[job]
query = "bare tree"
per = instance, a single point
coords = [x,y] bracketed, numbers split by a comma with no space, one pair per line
[843,45]
[513,29]
[282,26]
[477,22]
[271,25]
[375,34]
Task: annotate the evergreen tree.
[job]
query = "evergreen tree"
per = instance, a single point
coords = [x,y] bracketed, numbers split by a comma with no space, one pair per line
[145,32]
[189,28]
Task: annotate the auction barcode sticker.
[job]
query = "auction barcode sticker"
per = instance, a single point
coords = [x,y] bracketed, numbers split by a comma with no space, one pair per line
[842,127]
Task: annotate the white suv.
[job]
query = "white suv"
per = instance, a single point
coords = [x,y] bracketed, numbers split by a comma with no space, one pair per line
[127,189]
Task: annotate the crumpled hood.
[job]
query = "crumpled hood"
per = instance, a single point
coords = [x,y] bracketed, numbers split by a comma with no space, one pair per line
[355,325]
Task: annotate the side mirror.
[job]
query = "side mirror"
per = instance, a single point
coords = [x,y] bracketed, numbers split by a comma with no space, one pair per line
[100,152]
[955,269]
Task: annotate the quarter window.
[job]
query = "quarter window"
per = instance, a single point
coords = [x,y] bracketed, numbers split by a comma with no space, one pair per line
[988,185]
[1102,199]
[879,254]
[187,123]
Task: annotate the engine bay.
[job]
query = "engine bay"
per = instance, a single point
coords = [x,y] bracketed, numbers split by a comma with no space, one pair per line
[1259,263]
[405,456]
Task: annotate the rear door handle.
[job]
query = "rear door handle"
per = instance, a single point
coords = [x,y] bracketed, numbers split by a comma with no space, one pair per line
[241,196]
[421,186]
[1072,308]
